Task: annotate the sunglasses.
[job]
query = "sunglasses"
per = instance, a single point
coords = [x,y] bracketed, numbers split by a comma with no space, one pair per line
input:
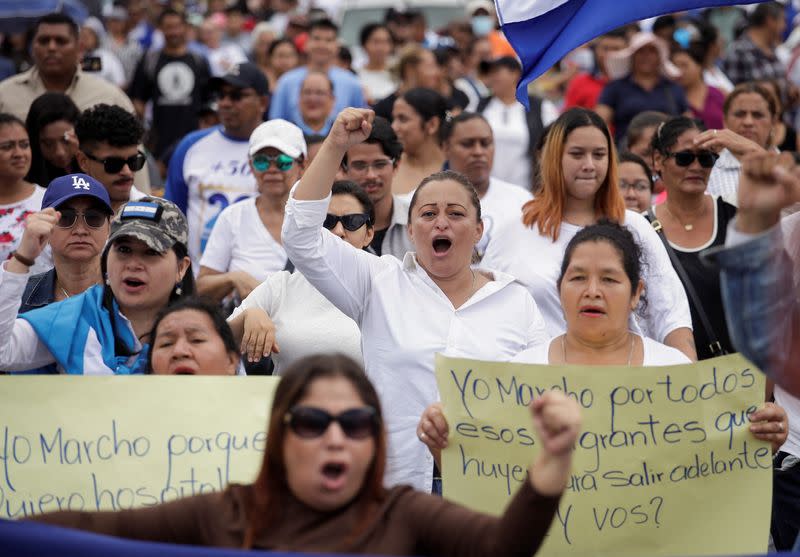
[686,158]
[112,165]
[92,217]
[309,422]
[233,94]
[350,222]
[262,162]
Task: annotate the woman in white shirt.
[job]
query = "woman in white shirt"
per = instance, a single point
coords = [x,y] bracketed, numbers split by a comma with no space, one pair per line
[409,310]
[301,321]
[600,285]
[579,186]
[245,244]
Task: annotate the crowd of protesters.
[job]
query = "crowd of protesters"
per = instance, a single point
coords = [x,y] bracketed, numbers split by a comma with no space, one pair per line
[227,187]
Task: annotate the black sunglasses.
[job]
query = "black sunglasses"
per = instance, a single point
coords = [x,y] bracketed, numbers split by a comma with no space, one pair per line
[233,94]
[309,422]
[92,217]
[707,159]
[350,222]
[112,165]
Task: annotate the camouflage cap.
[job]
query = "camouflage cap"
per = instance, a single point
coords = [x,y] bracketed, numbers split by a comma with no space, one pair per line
[157,222]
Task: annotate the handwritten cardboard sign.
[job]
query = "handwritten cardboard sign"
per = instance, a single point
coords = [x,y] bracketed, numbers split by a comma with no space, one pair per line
[664,464]
[110,443]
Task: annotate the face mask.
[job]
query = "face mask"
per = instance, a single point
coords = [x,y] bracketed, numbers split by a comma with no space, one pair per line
[482,25]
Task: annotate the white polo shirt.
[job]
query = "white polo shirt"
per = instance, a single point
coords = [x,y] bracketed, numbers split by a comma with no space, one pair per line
[405,319]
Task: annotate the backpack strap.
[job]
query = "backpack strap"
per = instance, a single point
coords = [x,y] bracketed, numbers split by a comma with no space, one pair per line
[714,345]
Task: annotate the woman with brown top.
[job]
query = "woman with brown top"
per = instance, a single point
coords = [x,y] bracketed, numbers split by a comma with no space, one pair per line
[320,488]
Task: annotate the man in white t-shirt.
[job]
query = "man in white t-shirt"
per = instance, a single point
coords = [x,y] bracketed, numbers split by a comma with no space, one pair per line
[109,138]
[210,168]
[468,145]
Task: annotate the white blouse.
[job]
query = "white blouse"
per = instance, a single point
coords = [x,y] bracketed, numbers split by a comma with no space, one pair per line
[405,319]
[535,260]
[655,354]
[306,322]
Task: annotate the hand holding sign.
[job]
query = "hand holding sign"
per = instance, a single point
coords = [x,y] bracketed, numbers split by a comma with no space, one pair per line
[556,420]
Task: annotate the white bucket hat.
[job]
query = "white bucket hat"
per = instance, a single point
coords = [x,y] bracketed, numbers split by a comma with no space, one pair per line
[618,64]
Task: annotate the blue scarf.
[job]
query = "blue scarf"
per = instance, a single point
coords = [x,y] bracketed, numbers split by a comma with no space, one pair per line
[64,328]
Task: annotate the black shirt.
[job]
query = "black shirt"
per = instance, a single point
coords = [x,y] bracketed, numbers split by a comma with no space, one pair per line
[177,86]
[377,241]
[706,282]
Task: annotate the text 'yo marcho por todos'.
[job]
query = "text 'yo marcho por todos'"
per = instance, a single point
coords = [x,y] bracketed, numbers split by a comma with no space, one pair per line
[112,443]
[664,457]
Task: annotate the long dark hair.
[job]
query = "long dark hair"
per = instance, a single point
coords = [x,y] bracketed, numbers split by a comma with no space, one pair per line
[45,110]
[271,489]
[187,288]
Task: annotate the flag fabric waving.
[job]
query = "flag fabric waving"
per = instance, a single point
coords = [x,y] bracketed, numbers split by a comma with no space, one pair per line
[544,31]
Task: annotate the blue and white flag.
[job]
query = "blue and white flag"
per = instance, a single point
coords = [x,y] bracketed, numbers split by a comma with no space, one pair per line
[544,31]
[82,335]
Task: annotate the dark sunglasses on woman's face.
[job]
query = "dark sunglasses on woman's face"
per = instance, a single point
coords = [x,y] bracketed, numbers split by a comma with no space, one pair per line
[686,158]
[112,165]
[350,222]
[92,217]
[309,422]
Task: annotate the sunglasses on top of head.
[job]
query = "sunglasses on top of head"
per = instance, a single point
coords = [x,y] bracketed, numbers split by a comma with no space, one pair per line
[351,222]
[112,165]
[309,422]
[282,162]
[707,159]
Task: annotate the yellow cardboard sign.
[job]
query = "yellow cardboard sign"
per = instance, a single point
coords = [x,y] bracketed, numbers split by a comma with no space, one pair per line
[110,443]
[664,465]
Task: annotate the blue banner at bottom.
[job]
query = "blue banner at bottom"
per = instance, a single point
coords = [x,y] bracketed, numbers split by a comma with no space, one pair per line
[29,539]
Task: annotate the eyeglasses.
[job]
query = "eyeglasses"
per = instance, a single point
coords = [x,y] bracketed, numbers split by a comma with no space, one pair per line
[361,167]
[112,165]
[262,162]
[639,187]
[351,222]
[92,217]
[309,422]
[686,158]
[233,94]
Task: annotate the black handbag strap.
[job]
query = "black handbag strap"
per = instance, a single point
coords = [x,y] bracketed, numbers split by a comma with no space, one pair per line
[714,345]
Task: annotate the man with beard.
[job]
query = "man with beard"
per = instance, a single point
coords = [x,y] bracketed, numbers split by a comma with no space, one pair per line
[210,168]
[109,138]
[372,165]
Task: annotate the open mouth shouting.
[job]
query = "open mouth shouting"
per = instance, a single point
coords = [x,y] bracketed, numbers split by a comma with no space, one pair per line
[133,285]
[441,245]
[334,475]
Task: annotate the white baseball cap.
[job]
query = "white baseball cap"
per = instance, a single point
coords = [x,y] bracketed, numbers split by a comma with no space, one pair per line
[280,134]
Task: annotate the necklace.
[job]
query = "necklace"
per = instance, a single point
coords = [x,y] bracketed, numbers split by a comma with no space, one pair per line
[686,227]
[630,354]
[63,290]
